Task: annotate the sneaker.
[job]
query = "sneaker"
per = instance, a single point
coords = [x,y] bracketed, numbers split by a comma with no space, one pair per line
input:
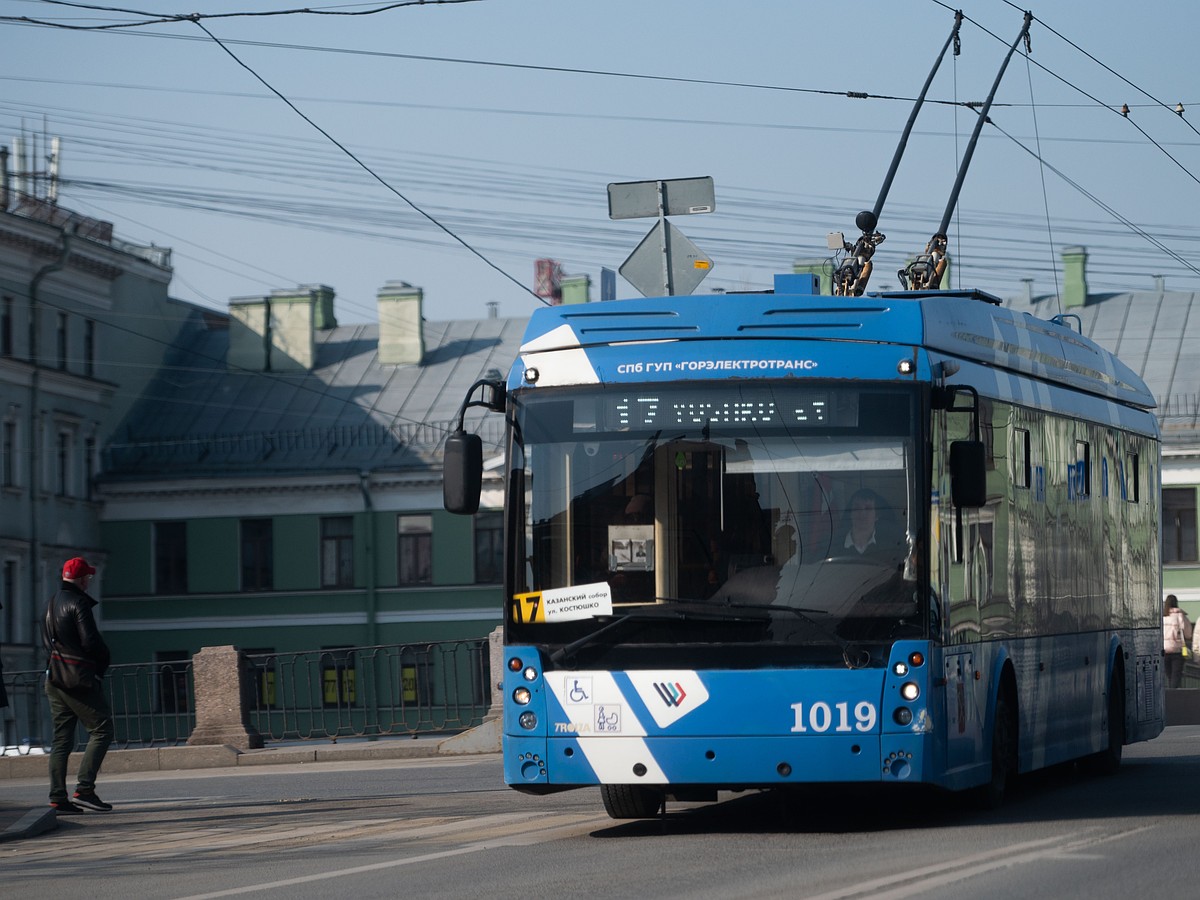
[91,801]
[65,808]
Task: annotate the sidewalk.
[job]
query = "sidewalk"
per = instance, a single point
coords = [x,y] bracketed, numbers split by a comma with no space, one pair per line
[22,822]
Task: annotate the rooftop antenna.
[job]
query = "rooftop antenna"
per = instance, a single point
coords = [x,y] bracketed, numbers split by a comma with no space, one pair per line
[851,277]
[926,271]
[53,159]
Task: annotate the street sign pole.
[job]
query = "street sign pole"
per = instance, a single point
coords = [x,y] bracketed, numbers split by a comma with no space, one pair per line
[668,289]
[662,198]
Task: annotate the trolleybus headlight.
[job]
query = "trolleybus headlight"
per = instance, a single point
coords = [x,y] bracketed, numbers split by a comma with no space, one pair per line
[522,696]
[906,367]
[916,658]
[900,669]
[528,720]
[910,690]
[902,715]
[514,664]
[530,673]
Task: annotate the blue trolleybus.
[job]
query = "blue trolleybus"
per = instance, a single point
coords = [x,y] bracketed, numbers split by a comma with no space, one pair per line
[773,539]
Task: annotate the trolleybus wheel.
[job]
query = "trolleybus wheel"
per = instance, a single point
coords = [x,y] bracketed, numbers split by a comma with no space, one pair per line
[631,801]
[1004,754]
[1108,760]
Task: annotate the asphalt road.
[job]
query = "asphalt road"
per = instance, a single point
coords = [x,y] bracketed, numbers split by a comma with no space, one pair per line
[448,828]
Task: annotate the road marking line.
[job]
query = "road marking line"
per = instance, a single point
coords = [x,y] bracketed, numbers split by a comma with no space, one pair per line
[552,832]
[917,881]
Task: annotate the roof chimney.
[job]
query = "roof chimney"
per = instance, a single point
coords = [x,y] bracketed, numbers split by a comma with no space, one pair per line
[1160,283]
[401,332]
[576,289]
[275,333]
[323,296]
[1075,289]
[247,334]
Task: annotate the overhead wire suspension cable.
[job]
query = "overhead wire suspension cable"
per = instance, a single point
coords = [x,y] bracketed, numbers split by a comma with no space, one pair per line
[364,166]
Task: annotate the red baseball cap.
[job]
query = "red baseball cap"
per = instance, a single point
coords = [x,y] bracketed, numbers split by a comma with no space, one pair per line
[77,568]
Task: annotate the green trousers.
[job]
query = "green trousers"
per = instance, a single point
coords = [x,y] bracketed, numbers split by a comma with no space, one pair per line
[67,709]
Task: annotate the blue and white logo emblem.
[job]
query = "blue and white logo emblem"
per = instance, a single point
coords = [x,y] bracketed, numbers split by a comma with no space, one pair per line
[669,695]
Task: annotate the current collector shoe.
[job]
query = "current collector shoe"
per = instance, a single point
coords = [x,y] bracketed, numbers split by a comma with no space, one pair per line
[91,801]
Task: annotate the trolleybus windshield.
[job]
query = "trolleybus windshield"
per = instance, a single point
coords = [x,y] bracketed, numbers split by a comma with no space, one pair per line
[757,515]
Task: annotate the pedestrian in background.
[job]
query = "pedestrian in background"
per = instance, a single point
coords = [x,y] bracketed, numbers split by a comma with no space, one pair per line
[1177,634]
[78,659]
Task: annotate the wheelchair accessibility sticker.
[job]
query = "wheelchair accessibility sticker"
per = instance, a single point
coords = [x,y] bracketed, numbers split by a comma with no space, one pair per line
[593,705]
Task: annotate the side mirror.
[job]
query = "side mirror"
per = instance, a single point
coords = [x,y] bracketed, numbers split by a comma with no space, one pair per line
[968,474]
[462,473]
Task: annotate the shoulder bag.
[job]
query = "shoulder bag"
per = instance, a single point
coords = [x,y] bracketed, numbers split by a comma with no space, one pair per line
[66,670]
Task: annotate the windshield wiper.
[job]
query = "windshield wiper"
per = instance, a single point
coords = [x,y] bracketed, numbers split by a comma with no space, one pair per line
[855,658]
[643,615]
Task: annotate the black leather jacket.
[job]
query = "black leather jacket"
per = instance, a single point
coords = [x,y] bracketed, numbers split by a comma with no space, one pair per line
[69,618]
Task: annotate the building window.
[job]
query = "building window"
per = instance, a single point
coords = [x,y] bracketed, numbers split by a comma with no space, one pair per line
[338,682]
[489,548]
[89,466]
[89,348]
[61,341]
[258,564]
[8,466]
[262,663]
[62,468]
[1133,481]
[173,691]
[6,327]
[415,549]
[1179,525]
[337,551]
[8,599]
[170,558]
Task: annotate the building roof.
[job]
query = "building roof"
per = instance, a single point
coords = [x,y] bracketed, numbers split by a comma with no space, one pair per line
[199,418]
[1157,334]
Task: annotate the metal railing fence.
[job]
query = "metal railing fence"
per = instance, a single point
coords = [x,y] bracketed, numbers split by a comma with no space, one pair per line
[400,689]
[1191,674]
[151,704]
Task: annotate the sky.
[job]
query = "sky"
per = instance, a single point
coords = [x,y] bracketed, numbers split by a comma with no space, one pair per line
[451,145]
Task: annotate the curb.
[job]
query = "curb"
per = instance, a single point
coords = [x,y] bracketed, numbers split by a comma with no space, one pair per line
[483,739]
[34,822]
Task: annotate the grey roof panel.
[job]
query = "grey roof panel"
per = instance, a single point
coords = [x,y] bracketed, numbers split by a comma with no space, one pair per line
[349,412]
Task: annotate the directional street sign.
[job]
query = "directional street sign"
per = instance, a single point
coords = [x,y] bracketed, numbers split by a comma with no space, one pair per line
[665,263]
[665,197]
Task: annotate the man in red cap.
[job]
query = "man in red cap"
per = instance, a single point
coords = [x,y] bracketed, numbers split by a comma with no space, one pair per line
[78,660]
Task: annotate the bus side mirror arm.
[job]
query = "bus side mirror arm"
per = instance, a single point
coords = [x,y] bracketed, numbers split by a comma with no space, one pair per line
[462,456]
[968,459]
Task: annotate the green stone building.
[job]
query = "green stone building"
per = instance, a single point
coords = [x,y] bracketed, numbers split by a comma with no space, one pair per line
[278,486]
